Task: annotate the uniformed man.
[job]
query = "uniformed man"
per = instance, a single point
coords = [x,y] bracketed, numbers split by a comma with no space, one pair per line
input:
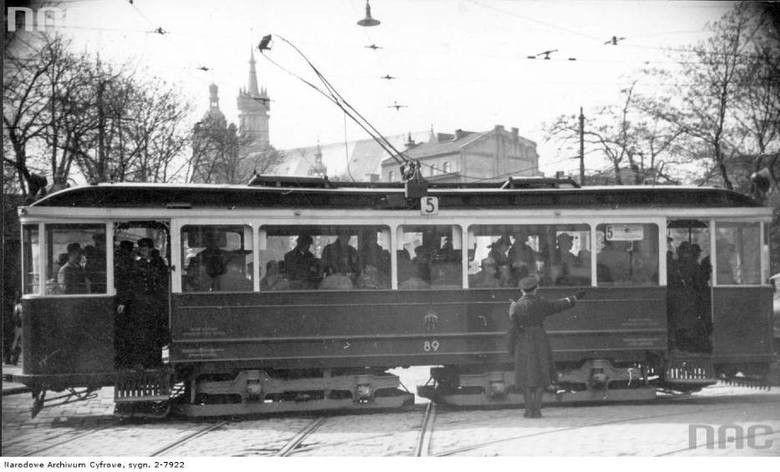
[532,352]
[141,323]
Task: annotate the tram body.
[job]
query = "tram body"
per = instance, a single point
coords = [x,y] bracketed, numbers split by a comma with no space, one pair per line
[263,348]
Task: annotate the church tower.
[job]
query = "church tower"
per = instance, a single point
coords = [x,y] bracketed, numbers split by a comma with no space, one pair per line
[253,108]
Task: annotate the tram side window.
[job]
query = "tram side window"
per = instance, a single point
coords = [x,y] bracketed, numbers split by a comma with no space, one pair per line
[429,257]
[627,254]
[325,257]
[501,255]
[688,262]
[31,260]
[738,253]
[217,258]
[75,259]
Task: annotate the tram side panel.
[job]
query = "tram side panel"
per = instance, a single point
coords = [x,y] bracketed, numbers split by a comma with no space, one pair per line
[292,330]
[742,329]
[68,338]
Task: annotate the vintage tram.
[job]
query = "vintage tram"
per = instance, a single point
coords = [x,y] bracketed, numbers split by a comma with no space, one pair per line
[300,293]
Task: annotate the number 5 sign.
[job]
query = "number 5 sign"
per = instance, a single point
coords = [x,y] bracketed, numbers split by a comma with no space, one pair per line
[429,205]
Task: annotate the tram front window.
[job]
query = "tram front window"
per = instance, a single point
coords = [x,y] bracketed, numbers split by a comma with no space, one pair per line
[501,255]
[325,257]
[429,257]
[217,258]
[738,253]
[627,254]
[76,259]
[31,253]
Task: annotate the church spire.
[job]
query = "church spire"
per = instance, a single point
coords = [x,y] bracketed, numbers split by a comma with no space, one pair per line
[252,88]
[213,97]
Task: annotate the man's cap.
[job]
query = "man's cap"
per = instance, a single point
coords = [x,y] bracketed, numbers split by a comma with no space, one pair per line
[72,247]
[565,236]
[500,241]
[146,242]
[528,283]
[304,239]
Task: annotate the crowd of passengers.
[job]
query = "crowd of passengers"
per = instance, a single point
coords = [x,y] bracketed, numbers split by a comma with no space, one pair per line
[688,299]
[340,267]
[507,263]
[434,264]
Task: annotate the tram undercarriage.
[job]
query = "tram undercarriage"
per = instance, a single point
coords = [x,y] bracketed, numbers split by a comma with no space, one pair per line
[256,391]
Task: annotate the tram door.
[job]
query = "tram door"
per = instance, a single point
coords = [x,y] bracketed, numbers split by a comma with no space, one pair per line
[689,281]
[142,282]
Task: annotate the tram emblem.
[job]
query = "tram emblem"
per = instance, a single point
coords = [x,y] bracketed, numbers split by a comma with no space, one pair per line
[431,321]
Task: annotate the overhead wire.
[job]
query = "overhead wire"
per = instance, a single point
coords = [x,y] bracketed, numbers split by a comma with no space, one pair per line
[336,98]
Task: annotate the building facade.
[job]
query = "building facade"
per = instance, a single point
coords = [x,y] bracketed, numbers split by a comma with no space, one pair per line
[468,156]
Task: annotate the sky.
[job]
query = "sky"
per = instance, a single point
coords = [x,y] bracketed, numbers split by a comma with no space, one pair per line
[460,64]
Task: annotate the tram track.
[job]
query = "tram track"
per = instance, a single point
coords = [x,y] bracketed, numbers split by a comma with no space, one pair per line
[473,447]
[69,440]
[289,448]
[426,431]
[200,432]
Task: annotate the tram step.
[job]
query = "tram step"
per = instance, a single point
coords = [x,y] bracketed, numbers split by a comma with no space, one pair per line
[690,369]
[149,385]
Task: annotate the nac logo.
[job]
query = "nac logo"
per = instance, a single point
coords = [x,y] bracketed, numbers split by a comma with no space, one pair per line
[30,20]
[755,436]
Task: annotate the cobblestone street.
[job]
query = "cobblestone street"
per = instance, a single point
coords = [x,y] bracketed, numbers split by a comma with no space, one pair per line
[655,428]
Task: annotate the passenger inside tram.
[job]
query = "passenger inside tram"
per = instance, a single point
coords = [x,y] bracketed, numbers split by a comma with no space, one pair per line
[71,277]
[486,277]
[303,268]
[688,294]
[566,268]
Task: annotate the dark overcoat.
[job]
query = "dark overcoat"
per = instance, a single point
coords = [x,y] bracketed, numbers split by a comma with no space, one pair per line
[532,352]
[142,329]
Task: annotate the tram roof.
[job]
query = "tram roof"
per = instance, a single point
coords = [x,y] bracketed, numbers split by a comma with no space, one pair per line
[289,192]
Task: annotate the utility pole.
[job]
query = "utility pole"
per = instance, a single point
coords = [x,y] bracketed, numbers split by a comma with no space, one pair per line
[582,148]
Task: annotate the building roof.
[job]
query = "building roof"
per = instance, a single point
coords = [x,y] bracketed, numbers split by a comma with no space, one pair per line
[440,144]
[364,157]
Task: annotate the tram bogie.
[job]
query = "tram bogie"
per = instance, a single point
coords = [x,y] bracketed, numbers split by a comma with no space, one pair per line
[678,299]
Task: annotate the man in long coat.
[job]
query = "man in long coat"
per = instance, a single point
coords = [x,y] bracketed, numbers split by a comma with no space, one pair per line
[532,352]
[141,323]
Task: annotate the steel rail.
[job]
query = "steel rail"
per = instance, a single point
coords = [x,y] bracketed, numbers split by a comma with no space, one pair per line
[298,438]
[560,430]
[78,436]
[426,431]
[188,438]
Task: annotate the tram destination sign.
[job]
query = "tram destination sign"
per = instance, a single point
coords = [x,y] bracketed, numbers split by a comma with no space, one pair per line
[429,205]
[624,233]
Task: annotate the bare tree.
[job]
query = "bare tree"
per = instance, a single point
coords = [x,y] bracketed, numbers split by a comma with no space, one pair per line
[31,71]
[636,146]
[725,100]
[221,155]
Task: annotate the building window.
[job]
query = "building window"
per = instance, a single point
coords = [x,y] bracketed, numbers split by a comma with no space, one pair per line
[446,167]
[391,176]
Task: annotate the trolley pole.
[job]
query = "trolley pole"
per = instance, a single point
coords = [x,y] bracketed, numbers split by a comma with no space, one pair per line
[582,148]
